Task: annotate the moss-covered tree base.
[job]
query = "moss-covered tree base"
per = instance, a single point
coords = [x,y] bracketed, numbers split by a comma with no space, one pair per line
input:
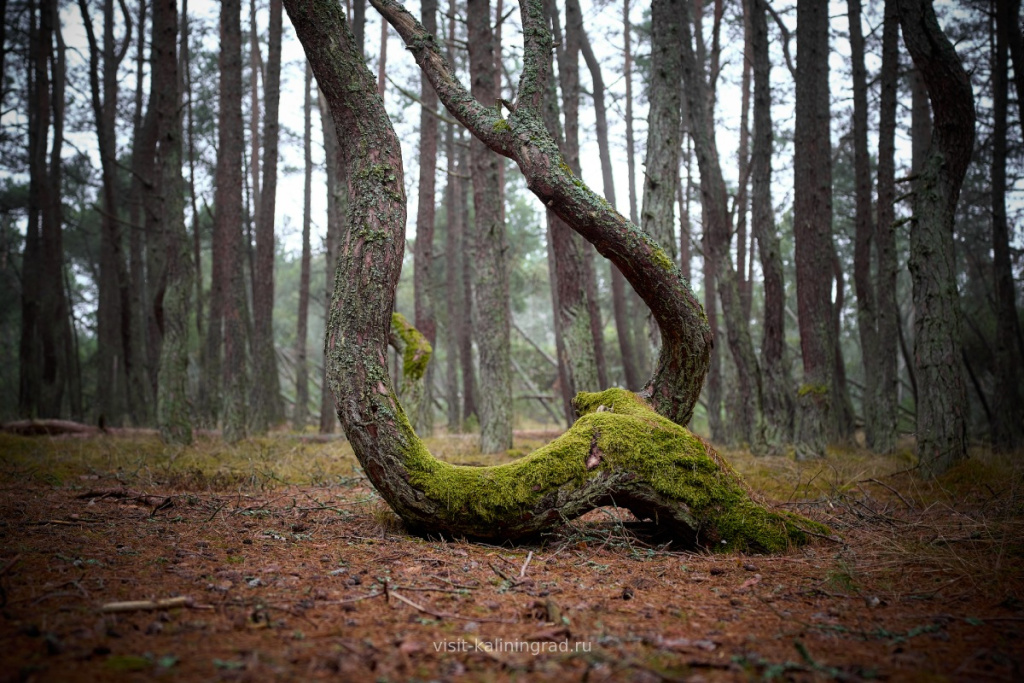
[619,452]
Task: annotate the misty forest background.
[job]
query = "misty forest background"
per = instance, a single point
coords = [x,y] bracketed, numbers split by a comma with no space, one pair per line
[134,291]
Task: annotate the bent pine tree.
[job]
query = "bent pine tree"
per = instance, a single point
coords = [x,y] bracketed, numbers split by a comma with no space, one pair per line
[629,450]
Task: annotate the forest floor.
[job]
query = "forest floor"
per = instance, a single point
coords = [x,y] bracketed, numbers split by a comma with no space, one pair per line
[288,566]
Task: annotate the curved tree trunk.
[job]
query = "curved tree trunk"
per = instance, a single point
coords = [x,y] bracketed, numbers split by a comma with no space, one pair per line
[620,451]
[942,408]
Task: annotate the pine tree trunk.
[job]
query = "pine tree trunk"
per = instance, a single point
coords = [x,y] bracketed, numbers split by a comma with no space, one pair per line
[637,312]
[577,367]
[423,421]
[1007,409]
[302,324]
[173,417]
[570,82]
[267,408]
[490,268]
[337,210]
[777,393]
[113,280]
[812,230]
[661,170]
[942,401]
[671,477]
[885,398]
[234,405]
[141,400]
[744,423]
[631,373]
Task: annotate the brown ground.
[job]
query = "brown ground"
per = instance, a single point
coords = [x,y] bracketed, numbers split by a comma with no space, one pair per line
[289,582]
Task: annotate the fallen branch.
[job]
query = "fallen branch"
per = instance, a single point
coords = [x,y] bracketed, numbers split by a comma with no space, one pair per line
[147,605]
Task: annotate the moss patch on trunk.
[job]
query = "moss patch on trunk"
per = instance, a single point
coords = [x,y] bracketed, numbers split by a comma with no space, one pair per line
[618,452]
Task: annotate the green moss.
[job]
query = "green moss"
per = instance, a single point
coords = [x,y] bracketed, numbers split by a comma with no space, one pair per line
[416,349]
[501,126]
[818,389]
[659,256]
[632,439]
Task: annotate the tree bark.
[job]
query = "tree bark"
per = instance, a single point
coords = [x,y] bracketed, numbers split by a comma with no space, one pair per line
[776,392]
[577,367]
[867,307]
[718,228]
[812,230]
[234,406]
[423,420]
[569,76]
[302,324]
[337,213]
[113,300]
[663,134]
[267,408]
[143,131]
[631,373]
[490,269]
[1007,410]
[636,308]
[942,404]
[886,410]
[172,397]
[683,484]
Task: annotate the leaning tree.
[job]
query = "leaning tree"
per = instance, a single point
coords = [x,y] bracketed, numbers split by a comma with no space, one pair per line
[629,450]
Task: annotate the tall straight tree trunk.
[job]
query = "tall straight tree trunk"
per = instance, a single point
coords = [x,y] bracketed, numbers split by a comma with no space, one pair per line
[636,308]
[1015,42]
[424,252]
[255,72]
[569,75]
[490,282]
[302,325]
[453,286]
[470,390]
[337,210]
[812,230]
[143,131]
[1007,410]
[228,268]
[631,373]
[29,371]
[942,404]
[454,303]
[573,331]
[743,159]
[46,326]
[267,408]
[172,396]
[718,228]
[776,389]
[113,305]
[884,433]
[663,133]
[867,307]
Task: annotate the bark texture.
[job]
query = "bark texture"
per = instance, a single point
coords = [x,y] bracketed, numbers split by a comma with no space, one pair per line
[887,316]
[1007,410]
[812,229]
[301,413]
[423,419]
[491,313]
[745,420]
[942,400]
[267,408]
[172,404]
[776,391]
[671,476]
